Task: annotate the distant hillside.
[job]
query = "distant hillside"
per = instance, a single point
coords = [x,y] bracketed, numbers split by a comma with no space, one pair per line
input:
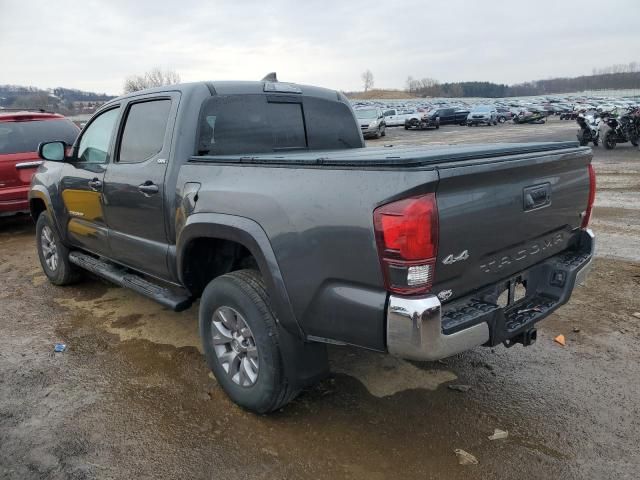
[62,100]
[604,81]
[429,87]
[611,81]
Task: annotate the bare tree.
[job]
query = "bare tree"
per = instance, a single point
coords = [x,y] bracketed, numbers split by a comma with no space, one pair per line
[367,79]
[410,84]
[153,78]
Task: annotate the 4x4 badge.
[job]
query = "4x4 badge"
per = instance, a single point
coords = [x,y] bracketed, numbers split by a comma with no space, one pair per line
[451,259]
[445,295]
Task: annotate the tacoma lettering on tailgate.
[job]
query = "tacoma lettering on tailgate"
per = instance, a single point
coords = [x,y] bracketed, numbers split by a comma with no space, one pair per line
[497,264]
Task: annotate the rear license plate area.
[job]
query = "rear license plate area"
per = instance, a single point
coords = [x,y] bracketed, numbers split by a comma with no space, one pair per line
[513,292]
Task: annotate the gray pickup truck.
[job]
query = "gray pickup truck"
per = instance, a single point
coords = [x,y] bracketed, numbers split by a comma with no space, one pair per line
[260,199]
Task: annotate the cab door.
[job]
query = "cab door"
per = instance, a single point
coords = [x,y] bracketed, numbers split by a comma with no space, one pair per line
[134,185]
[82,181]
[447,116]
[390,117]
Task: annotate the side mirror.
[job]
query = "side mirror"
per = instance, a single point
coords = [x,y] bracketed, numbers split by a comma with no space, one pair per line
[53,151]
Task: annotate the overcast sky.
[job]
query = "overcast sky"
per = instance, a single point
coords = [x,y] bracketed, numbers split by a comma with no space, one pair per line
[94,45]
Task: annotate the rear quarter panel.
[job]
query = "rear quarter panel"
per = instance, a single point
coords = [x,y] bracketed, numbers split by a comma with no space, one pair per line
[320,225]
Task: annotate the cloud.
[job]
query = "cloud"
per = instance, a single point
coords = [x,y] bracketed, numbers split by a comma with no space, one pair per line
[94,45]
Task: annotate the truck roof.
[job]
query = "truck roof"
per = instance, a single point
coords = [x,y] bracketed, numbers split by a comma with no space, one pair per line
[236,87]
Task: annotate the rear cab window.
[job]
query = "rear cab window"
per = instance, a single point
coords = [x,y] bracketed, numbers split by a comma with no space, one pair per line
[243,124]
[25,136]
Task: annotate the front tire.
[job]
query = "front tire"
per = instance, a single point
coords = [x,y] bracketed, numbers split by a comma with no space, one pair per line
[241,342]
[53,255]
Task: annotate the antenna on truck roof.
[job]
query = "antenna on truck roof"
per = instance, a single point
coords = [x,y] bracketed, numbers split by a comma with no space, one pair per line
[270,77]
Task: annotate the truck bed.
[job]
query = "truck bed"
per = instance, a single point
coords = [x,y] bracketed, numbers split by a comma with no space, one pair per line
[316,207]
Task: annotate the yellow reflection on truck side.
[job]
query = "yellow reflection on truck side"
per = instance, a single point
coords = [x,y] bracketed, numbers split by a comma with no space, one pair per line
[85,208]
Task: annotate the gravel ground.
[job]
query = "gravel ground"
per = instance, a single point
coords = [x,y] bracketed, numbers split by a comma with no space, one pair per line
[132,397]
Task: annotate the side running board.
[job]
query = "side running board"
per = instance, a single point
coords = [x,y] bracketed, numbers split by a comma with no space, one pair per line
[176,299]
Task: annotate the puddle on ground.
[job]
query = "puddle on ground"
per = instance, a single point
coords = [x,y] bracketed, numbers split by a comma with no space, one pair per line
[133,317]
[384,375]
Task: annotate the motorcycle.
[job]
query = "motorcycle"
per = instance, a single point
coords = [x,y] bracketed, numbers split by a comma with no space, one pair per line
[589,129]
[626,128]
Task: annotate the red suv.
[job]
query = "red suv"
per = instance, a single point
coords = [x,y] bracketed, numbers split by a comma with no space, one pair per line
[20,134]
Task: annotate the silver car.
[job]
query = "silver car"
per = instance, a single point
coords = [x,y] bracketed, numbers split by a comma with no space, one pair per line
[371,121]
[485,114]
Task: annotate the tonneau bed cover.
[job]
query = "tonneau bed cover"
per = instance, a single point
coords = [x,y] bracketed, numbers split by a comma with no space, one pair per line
[391,156]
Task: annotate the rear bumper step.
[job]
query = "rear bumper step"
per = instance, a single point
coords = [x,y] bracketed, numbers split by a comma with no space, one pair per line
[173,298]
[420,328]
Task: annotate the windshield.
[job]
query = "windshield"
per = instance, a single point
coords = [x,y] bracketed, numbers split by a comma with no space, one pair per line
[482,108]
[367,113]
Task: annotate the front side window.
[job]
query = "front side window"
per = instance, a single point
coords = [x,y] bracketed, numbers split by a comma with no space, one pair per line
[94,144]
[144,131]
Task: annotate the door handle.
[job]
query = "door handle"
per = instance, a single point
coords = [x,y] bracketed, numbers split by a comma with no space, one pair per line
[95,184]
[148,188]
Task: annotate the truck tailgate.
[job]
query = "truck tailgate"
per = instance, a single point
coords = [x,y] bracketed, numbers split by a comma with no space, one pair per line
[495,222]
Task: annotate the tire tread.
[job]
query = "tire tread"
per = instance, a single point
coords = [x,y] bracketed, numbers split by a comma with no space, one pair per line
[251,283]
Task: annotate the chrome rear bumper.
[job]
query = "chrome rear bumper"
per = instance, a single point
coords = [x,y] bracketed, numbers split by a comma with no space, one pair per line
[414,324]
[414,330]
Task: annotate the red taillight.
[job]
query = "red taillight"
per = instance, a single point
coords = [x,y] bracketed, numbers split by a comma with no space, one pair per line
[592,197]
[407,238]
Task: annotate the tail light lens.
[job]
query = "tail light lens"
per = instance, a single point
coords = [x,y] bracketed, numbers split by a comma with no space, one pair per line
[407,239]
[592,197]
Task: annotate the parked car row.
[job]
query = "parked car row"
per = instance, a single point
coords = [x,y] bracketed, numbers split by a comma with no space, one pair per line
[432,113]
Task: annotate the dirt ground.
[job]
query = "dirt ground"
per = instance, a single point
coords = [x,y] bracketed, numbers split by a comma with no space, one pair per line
[132,398]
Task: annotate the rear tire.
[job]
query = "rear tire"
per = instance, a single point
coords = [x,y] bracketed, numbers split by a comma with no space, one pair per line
[53,255]
[384,132]
[609,140]
[252,375]
[581,140]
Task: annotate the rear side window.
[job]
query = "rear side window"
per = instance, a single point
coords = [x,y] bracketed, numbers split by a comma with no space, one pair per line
[19,137]
[144,131]
[242,124]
